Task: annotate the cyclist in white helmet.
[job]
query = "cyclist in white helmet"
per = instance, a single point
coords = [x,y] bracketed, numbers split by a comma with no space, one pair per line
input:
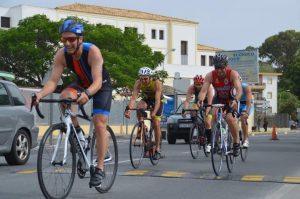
[150,90]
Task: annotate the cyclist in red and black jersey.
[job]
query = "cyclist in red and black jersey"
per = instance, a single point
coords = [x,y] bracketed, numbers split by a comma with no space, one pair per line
[85,60]
[195,89]
[225,81]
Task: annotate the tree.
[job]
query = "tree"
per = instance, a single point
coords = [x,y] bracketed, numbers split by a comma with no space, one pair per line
[288,103]
[28,50]
[291,77]
[281,49]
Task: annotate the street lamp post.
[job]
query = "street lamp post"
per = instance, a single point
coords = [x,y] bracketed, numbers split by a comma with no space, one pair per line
[171,50]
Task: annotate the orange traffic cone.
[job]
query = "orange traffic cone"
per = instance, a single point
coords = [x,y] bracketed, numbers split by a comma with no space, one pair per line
[274,133]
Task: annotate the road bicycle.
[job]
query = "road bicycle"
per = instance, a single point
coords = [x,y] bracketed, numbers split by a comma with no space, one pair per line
[142,142]
[56,161]
[221,143]
[197,136]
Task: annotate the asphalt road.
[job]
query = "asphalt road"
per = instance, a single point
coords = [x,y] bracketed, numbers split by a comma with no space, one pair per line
[271,171]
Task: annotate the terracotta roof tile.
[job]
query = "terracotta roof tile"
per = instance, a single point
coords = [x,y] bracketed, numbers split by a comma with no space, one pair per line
[207,48]
[119,12]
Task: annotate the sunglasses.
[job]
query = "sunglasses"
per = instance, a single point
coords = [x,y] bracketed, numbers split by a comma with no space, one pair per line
[198,84]
[69,39]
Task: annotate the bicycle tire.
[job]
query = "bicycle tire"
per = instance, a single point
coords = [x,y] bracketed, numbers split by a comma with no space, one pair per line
[243,150]
[194,141]
[230,159]
[154,160]
[110,165]
[136,146]
[216,151]
[44,167]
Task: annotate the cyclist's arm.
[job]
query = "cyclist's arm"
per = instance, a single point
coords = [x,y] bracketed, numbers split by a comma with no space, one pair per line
[135,93]
[188,97]
[210,96]
[205,87]
[57,70]
[95,60]
[237,84]
[248,98]
[158,94]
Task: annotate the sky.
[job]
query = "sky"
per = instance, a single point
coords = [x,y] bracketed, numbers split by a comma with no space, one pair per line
[225,24]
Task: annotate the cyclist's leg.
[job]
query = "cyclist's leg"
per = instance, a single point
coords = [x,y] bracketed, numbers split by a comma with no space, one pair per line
[243,119]
[208,126]
[157,130]
[101,110]
[233,128]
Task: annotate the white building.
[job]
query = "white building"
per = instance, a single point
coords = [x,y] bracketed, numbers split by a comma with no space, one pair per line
[175,38]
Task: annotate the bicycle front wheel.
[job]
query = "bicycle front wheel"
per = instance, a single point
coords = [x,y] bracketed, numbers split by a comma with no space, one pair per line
[110,161]
[55,176]
[136,146]
[194,141]
[216,150]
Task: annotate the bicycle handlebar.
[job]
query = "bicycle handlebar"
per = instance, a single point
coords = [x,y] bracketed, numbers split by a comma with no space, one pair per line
[67,101]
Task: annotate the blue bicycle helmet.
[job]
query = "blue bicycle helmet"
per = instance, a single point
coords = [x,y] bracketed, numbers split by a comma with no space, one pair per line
[70,25]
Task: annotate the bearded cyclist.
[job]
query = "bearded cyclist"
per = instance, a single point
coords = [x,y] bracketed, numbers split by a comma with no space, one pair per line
[150,89]
[195,89]
[224,80]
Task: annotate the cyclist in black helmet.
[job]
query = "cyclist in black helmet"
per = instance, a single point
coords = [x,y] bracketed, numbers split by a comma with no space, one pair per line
[85,60]
[225,81]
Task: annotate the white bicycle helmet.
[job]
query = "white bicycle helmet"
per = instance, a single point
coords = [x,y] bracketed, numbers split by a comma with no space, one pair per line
[145,71]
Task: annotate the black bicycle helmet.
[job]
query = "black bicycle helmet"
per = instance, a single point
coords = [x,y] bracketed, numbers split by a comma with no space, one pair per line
[220,60]
[70,25]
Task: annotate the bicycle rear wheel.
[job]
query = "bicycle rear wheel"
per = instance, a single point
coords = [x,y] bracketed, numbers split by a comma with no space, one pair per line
[110,161]
[194,141]
[154,160]
[243,150]
[55,178]
[136,146]
[216,150]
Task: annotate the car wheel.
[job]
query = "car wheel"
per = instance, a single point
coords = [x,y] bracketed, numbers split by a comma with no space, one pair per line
[20,149]
[171,139]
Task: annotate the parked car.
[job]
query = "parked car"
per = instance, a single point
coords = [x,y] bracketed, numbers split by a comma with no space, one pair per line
[178,127]
[18,133]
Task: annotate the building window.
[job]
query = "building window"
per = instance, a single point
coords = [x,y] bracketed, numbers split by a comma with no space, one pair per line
[203,60]
[5,22]
[210,60]
[269,95]
[269,80]
[130,29]
[161,35]
[153,34]
[184,52]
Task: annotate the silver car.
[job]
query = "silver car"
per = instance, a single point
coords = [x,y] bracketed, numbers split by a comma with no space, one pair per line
[18,133]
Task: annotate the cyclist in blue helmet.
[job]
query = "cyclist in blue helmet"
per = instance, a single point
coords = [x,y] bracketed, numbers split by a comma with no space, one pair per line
[93,81]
